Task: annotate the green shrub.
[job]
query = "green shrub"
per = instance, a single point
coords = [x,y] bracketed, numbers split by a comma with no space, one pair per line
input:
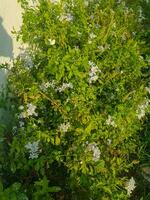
[77,100]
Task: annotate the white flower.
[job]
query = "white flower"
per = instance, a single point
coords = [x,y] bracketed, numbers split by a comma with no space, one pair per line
[52,84]
[31,109]
[93,72]
[133,33]
[147,89]
[51,41]
[47,85]
[68,17]
[29,112]
[55,1]
[101,48]
[64,87]
[92,36]
[109,141]
[96,152]
[23,115]
[141,111]
[14,129]
[64,127]
[140,114]
[110,121]
[130,186]
[33,149]
[44,86]
[94,69]
[91,63]
[93,79]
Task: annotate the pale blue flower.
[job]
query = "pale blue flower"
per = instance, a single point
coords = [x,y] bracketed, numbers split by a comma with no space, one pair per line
[33,149]
[26,58]
[95,150]
[66,17]
[64,87]
[94,70]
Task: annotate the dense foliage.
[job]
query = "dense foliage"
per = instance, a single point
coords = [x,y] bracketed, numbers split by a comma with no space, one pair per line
[77,99]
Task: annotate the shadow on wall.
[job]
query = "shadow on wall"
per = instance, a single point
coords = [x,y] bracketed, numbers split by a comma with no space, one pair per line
[6,54]
[6,51]
[6,44]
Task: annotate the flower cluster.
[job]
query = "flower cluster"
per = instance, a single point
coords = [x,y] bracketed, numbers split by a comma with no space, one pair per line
[31,109]
[102,48]
[96,152]
[33,149]
[142,109]
[26,58]
[29,112]
[55,1]
[68,17]
[14,129]
[44,86]
[93,72]
[110,121]
[52,84]
[21,124]
[130,186]
[141,16]
[83,80]
[64,87]
[64,127]
[91,37]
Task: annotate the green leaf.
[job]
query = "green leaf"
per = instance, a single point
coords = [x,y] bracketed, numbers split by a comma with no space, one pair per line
[54,189]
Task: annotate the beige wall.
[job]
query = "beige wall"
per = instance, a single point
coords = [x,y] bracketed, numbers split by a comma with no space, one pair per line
[10,17]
